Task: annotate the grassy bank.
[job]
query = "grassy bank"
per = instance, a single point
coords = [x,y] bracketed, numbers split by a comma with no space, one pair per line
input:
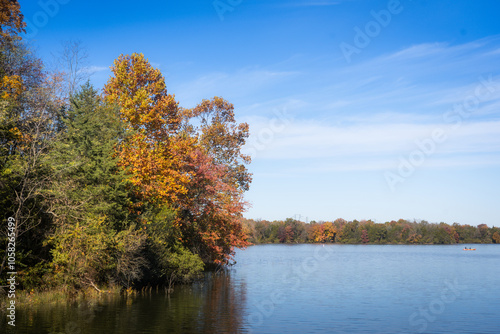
[26,299]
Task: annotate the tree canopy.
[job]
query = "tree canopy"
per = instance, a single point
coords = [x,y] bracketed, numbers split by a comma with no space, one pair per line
[120,187]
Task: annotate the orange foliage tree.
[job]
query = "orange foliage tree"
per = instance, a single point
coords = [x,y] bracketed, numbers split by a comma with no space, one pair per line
[153,153]
[496,238]
[11,19]
[197,171]
[325,232]
[212,207]
[11,24]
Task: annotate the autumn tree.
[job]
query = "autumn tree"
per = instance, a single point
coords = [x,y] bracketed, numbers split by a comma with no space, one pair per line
[221,138]
[496,237]
[316,233]
[210,211]
[364,236]
[323,232]
[11,84]
[11,24]
[483,233]
[153,153]
[11,20]
[194,168]
[28,109]
[212,207]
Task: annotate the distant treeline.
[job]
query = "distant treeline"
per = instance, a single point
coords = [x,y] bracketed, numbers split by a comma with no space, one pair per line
[368,232]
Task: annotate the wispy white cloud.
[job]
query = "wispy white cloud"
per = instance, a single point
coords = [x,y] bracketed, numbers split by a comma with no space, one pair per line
[421,79]
[417,51]
[244,82]
[438,49]
[493,52]
[376,146]
[367,115]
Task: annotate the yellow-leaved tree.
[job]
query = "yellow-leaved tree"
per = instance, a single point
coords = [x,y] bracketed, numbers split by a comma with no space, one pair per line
[154,152]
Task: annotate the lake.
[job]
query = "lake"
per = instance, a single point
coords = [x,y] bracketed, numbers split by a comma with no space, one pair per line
[308,289]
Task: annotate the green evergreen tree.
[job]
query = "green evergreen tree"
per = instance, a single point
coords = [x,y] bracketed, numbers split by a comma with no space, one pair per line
[93,239]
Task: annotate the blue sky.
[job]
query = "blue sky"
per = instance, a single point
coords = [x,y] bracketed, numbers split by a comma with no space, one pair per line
[358,109]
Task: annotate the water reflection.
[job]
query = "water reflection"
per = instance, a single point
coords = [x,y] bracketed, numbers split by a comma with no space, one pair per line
[348,289]
[215,305]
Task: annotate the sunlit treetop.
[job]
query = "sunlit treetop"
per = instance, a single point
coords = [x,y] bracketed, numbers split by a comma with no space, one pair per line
[11,19]
[140,91]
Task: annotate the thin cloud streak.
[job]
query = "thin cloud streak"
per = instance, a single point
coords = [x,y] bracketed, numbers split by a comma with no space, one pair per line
[233,85]
[378,146]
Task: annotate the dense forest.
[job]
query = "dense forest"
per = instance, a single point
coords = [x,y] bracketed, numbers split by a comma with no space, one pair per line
[118,186]
[368,232]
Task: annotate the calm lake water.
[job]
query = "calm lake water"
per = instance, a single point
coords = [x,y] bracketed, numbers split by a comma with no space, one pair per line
[308,289]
